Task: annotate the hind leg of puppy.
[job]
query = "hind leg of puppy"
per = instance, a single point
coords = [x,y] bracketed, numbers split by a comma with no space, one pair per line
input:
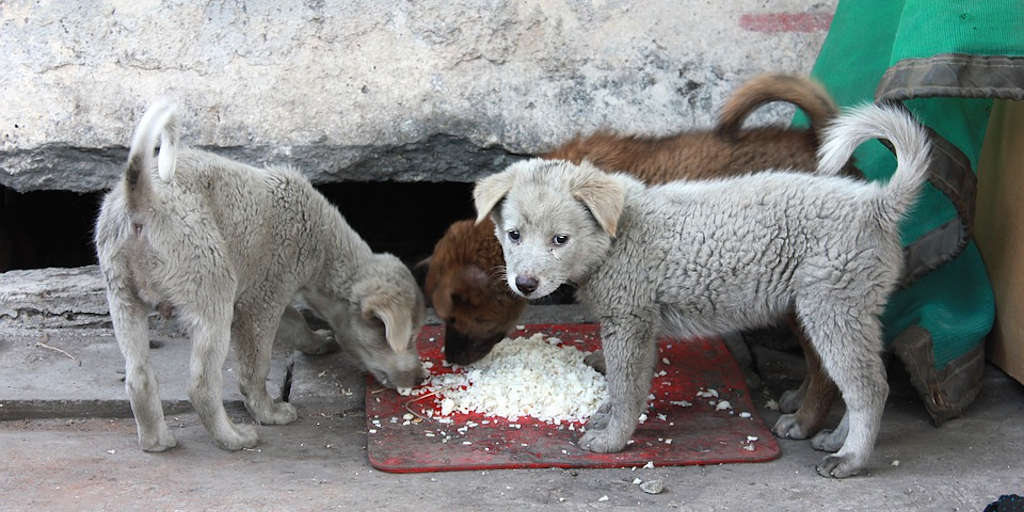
[630,351]
[294,331]
[815,402]
[850,351]
[210,340]
[252,335]
[132,332]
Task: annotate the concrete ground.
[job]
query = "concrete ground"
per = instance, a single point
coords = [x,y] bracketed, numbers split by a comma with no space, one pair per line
[319,462]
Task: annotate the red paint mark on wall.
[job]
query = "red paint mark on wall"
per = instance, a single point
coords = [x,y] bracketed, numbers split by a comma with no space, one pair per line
[786,22]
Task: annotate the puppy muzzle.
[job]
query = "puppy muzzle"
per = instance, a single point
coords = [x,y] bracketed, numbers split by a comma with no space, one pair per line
[462,349]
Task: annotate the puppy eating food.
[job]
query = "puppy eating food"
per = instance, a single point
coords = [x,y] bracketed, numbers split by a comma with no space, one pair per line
[700,258]
[228,246]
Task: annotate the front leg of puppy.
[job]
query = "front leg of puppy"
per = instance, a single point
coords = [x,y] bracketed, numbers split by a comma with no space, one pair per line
[629,350]
[791,399]
[210,340]
[253,338]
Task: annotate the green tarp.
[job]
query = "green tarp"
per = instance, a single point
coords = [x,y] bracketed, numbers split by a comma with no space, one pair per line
[944,60]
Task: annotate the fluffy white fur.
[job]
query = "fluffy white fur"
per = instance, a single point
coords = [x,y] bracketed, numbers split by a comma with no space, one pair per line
[227,246]
[701,258]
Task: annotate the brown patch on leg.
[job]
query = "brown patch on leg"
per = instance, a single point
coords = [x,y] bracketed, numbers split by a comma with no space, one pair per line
[821,391]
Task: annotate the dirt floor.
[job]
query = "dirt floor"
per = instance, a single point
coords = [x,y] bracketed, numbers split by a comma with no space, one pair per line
[319,463]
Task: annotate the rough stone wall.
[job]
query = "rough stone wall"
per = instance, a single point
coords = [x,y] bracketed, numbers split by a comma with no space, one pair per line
[435,90]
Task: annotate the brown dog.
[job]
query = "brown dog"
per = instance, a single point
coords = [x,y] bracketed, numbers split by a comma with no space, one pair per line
[464,280]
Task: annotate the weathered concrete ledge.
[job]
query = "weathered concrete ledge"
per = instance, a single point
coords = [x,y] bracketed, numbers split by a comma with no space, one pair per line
[438,158]
[384,90]
[53,298]
[68,375]
[49,299]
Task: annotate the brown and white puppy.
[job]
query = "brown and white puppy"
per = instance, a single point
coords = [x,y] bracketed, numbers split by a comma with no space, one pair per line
[228,246]
[465,281]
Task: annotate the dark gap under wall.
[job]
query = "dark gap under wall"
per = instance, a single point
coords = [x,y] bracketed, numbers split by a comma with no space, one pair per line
[46,229]
[55,228]
[405,219]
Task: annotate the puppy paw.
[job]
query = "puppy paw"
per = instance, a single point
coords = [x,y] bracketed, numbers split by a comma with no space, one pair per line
[602,441]
[320,350]
[238,437]
[835,466]
[281,413]
[828,440]
[161,442]
[321,343]
[789,427]
[790,400]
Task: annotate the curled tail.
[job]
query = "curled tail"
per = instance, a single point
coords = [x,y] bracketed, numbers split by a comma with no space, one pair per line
[801,91]
[909,141]
[159,119]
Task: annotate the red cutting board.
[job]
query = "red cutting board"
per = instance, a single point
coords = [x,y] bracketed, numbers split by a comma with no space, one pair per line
[699,434]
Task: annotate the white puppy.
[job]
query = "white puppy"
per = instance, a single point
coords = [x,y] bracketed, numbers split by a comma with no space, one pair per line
[701,258]
[227,246]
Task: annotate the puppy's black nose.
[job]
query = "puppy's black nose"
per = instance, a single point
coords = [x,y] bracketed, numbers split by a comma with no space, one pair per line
[526,284]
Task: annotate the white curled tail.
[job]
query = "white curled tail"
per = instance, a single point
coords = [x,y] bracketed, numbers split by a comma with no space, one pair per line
[159,120]
[908,138]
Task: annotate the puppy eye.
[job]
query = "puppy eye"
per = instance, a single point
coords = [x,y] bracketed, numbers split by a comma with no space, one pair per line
[560,239]
[513,235]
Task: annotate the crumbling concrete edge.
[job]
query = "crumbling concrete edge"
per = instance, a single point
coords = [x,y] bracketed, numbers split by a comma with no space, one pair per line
[437,158]
[96,408]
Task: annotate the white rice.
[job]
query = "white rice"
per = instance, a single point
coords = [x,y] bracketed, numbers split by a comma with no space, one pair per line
[523,377]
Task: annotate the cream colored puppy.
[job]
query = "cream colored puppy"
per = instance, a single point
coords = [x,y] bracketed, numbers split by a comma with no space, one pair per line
[228,246]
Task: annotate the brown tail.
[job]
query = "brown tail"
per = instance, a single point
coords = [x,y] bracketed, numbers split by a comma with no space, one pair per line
[801,91]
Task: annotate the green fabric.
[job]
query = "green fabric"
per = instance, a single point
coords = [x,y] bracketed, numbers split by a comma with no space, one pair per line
[982,27]
[962,122]
[955,302]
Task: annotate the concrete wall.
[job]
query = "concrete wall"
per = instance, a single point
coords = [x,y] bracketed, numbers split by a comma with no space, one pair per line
[443,90]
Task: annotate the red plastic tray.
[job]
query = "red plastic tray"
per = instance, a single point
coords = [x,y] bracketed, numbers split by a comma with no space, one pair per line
[699,434]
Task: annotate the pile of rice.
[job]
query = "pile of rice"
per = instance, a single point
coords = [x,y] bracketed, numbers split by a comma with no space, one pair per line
[532,376]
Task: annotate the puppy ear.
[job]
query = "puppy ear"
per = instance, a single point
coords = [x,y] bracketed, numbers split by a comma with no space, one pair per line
[602,194]
[397,323]
[489,191]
